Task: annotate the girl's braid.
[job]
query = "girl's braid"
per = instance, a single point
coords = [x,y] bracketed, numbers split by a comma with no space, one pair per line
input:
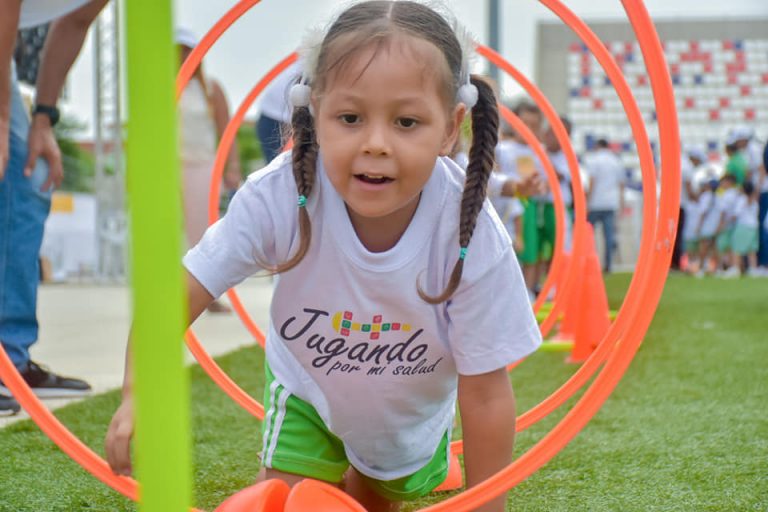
[485,135]
[304,156]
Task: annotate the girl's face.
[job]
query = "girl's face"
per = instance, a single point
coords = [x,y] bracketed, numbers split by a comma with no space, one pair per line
[381,121]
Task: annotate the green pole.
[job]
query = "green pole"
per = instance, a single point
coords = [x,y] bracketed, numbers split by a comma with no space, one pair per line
[160,384]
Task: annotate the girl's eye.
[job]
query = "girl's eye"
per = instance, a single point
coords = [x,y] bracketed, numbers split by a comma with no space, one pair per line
[349,118]
[406,122]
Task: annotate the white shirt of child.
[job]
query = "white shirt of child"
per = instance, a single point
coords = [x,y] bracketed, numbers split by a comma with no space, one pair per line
[560,163]
[37,12]
[746,212]
[606,174]
[710,214]
[726,204]
[349,333]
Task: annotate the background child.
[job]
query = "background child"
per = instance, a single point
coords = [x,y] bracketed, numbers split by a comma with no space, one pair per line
[725,203]
[366,355]
[745,231]
[706,230]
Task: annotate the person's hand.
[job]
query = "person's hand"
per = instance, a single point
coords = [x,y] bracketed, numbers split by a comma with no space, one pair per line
[532,185]
[518,244]
[42,143]
[4,152]
[118,441]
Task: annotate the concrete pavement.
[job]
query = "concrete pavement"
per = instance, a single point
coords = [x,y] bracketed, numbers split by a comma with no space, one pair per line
[84,327]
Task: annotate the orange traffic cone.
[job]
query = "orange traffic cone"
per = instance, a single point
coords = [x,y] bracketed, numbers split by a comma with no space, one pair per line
[454,480]
[267,496]
[592,321]
[320,497]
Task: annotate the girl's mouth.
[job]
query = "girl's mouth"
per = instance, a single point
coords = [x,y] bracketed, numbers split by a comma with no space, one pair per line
[373,179]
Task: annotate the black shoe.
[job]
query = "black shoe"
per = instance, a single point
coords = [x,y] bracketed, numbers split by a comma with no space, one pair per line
[8,405]
[46,384]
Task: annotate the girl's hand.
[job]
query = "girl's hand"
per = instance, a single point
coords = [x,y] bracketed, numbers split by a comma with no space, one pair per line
[118,440]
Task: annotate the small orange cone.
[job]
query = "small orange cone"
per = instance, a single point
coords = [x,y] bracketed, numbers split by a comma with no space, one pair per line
[454,480]
[320,497]
[267,496]
[592,318]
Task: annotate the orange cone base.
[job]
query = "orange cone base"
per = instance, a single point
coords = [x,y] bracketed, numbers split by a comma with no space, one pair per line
[275,496]
[266,496]
[454,480]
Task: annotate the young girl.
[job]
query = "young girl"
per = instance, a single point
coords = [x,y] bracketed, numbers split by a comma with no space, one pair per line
[398,289]
[706,230]
[745,239]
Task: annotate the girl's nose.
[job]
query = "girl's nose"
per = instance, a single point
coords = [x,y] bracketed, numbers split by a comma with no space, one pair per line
[376,141]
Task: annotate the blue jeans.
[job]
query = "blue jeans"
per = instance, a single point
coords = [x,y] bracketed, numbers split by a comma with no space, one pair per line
[607,219]
[762,255]
[268,131]
[23,210]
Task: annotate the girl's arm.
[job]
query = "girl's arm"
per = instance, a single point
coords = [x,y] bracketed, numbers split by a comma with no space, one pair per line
[487,406]
[118,440]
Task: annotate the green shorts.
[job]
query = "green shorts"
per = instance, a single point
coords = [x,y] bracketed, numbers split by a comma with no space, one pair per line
[745,240]
[723,240]
[538,232]
[296,440]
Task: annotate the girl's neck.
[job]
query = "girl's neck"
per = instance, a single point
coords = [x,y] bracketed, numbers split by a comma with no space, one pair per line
[382,233]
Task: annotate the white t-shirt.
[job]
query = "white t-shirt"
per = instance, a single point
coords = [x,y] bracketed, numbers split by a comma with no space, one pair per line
[560,163]
[275,101]
[349,333]
[726,204]
[746,212]
[709,214]
[606,174]
[37,12]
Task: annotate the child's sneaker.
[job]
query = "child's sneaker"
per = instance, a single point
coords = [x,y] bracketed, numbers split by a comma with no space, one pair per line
[46,384]
[731,273]
[8,405]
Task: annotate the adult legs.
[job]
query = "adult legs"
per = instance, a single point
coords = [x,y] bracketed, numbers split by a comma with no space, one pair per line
[268,131]
[23,210]
[606,219]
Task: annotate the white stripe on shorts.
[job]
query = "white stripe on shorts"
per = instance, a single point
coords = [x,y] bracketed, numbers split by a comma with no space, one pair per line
[282,399]
[268,418]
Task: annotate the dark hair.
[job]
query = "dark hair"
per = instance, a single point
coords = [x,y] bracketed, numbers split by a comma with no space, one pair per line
[526,106]
[748,188]
[602,143]
[374,23]
[567,124]
[730,178]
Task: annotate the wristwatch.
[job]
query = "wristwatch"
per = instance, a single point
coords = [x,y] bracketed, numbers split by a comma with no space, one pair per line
[48,110]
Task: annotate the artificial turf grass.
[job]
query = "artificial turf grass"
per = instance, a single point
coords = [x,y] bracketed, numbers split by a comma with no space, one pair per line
[684,430]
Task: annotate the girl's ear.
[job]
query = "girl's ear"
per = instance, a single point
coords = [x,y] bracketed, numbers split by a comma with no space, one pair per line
[452,129]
